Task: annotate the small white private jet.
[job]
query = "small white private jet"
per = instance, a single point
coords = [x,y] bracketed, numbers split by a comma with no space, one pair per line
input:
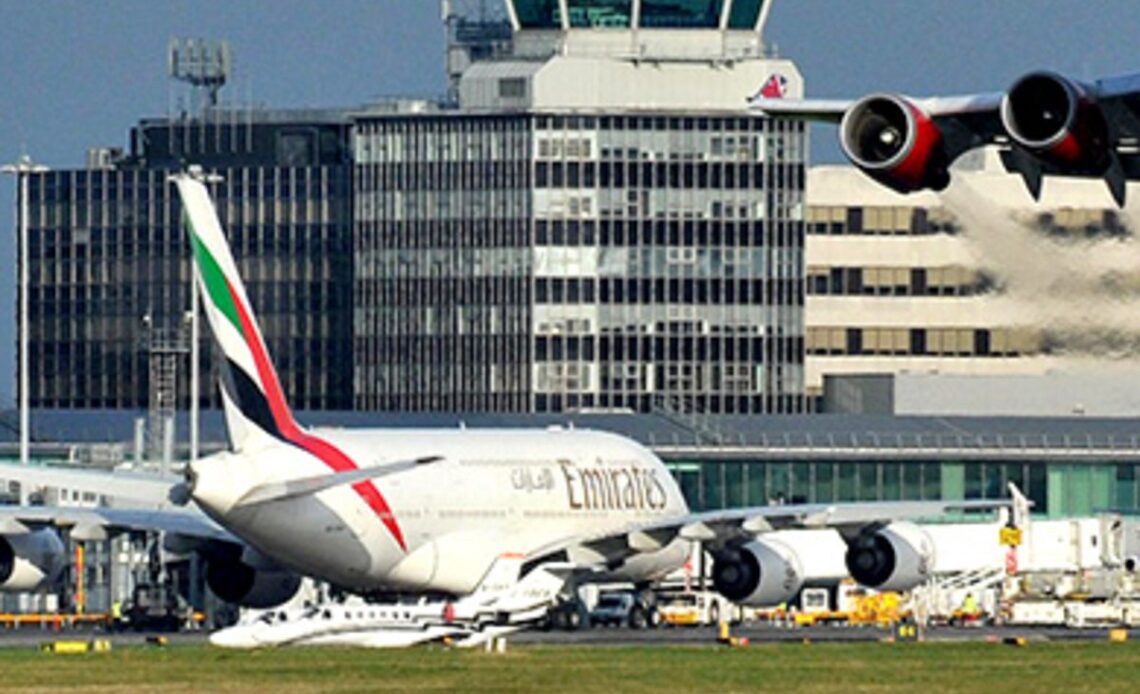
[501,605]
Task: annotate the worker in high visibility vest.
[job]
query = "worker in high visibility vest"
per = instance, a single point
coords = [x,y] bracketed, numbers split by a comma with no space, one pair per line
[116,613]
[970,608]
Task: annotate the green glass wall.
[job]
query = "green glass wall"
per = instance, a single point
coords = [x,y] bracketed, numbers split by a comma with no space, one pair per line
[1057,489]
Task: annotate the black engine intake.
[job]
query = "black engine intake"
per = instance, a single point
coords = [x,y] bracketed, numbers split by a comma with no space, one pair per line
[236,581]
[1056,120]
[899,557]
[761,573]
[893,141]
[31,561]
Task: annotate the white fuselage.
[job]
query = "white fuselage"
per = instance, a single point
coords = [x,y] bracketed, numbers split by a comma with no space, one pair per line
[490,493]
[357,624]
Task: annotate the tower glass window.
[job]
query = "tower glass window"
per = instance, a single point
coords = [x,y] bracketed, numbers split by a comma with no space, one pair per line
[744,14]
[538,14]
[681,14]
[601,14]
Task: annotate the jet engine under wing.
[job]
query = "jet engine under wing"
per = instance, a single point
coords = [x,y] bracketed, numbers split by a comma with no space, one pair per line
[724,527]
[1047,123]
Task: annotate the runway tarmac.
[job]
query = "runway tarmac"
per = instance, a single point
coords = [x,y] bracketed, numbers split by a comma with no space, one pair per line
[611,636]
[764,633]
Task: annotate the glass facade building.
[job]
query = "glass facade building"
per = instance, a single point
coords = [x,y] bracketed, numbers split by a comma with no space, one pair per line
[554,261]
[110,261]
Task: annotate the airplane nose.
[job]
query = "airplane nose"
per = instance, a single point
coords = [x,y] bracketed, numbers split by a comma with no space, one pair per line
[232,637]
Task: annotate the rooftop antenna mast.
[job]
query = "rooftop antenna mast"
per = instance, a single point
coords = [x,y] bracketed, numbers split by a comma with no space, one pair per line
[204,65]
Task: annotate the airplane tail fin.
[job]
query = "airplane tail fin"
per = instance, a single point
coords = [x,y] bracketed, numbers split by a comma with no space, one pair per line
[254,401]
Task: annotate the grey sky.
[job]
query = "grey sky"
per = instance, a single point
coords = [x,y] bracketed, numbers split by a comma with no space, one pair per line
[77,73]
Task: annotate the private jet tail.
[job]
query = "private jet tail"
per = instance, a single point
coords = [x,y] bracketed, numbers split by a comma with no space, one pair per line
[254,402]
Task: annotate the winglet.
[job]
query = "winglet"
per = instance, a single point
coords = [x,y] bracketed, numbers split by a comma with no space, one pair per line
[1021,505]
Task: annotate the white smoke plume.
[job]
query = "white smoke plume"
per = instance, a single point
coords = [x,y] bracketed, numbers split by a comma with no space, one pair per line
[1084,293]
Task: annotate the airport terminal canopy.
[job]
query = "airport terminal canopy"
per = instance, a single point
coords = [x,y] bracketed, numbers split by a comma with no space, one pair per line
[737,15]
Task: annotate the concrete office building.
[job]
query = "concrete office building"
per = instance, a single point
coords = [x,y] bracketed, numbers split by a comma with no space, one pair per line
[979,281]
[600,224]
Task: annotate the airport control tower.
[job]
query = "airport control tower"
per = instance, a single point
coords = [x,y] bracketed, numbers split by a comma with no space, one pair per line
[682,54]
[600,223]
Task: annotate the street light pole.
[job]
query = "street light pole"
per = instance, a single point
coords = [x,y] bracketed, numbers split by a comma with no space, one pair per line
[194,393]
[22,169]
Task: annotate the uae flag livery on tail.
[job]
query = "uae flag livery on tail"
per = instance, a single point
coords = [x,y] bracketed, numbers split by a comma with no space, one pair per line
[251,390]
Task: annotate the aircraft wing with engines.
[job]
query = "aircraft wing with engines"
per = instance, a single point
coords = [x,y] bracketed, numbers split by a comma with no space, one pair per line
[886,549]
[1046,124]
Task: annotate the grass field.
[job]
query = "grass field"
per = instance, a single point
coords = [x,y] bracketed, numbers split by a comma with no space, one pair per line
[1039,667]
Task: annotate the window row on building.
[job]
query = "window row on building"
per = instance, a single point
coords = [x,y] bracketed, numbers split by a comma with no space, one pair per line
[953,280]
[943,342]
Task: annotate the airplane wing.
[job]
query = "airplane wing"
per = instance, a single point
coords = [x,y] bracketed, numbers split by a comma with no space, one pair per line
[731,526]
[95,523]
[1046,123]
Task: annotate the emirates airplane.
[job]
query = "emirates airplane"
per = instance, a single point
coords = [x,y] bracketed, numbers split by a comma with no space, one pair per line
[447,511]
[418,511]
[1046,123]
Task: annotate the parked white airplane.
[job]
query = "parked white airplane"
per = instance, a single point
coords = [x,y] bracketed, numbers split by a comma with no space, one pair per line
[419,511]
